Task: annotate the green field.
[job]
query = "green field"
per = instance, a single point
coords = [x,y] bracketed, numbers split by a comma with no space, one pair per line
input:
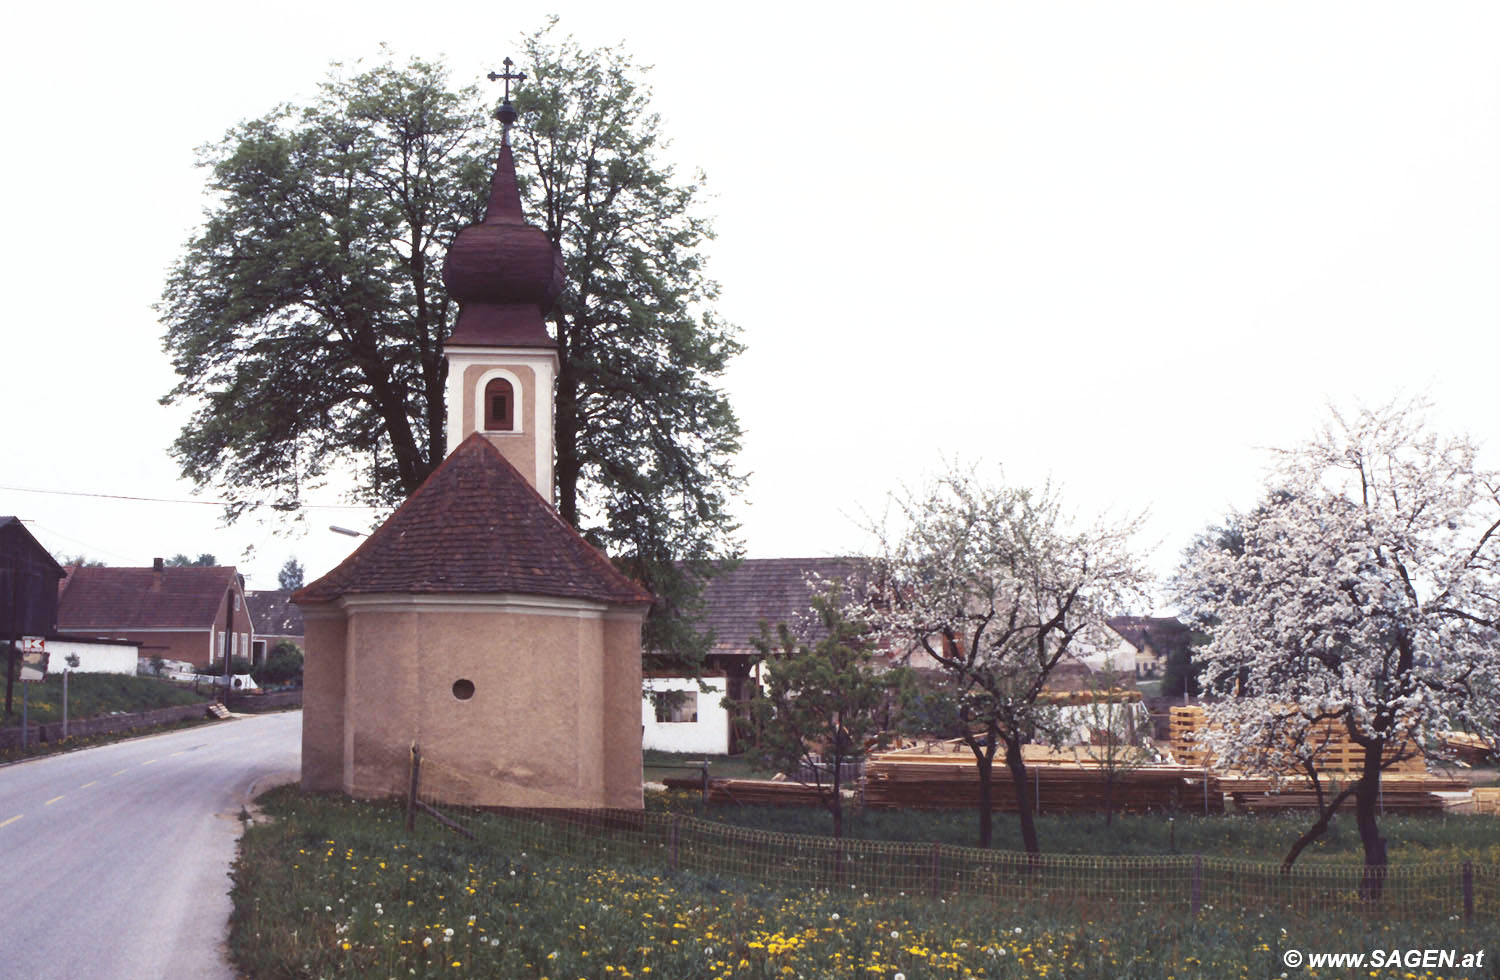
[98,694]
[334,888]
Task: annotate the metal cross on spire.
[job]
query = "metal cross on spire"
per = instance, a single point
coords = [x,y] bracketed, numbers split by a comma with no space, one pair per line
[507,113]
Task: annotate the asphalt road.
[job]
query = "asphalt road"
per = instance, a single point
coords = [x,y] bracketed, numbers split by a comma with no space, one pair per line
[114,861]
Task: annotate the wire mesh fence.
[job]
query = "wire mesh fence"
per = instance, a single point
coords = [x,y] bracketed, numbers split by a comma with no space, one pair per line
[1086,884]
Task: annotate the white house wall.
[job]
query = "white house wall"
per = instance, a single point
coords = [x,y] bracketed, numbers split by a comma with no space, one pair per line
[709,735]
[93,658]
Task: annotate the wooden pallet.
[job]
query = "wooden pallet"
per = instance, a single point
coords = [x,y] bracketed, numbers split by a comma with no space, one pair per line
[219,711]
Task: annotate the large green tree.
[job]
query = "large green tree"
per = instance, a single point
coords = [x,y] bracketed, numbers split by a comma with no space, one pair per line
[306,318]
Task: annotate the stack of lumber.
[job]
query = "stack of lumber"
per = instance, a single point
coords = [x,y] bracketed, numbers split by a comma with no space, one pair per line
[1487,799]
[1402,782]
[763,792]
[1186,722]
[1335,753]
[1466,747]
[1391,801]
[1399,793]
[899,779]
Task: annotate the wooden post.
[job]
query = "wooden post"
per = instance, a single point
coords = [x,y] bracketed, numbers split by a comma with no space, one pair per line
[937,865]
[1197,896]
[704,781]
[676,834]
[411,793]
[1468,875]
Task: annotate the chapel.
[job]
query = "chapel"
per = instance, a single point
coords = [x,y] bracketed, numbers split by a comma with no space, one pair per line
[476,623]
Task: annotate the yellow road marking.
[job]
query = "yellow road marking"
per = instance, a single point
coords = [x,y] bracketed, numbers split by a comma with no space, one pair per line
[178,753]
[151,763]
[88,784]
[7,823]
[116,773]
[52,801]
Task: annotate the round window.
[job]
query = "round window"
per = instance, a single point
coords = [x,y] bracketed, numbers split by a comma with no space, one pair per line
[463,689]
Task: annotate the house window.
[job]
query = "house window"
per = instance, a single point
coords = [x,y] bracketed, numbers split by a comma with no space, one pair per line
[499,406]
[675,706]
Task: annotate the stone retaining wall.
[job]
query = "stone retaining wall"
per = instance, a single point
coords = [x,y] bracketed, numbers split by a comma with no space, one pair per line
[52,731]
[278,701]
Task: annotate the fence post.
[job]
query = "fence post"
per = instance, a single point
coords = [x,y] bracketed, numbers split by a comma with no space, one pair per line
[676,830]
[937,866]
[1468,875]
[1197,887]
[704,781]
[411,793]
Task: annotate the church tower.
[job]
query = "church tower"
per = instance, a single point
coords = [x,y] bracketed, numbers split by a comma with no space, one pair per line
[502,365]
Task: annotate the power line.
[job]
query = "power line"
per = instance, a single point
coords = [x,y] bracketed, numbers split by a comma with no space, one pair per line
[166,500]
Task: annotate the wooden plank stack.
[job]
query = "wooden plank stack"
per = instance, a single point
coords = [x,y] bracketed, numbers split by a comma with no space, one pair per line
[1467,748]
[1186,722]
[1336,752]
[1391,801]
[763,792]
[900,779]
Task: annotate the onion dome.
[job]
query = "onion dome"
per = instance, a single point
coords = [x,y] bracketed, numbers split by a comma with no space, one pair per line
[503,272]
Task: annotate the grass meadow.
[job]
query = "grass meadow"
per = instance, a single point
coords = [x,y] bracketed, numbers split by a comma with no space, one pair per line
[331,887]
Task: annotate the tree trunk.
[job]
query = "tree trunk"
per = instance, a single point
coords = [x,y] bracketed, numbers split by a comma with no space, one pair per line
[1017,766]
[1366,797]
[565,430]
[985,758]
[837,806]
[1325,817]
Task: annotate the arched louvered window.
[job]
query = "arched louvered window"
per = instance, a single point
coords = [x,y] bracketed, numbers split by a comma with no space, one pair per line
[499,406]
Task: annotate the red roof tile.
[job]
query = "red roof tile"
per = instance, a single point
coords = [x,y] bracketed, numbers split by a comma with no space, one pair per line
[476,526]
[142,598]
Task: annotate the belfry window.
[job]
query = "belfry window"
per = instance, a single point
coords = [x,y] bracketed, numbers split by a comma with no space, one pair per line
[499,406]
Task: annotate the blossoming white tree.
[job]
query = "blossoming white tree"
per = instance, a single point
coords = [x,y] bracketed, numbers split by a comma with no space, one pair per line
[1363,593]
[993,586]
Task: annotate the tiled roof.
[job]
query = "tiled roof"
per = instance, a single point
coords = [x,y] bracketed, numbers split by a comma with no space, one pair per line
[476,526]
[775,590]
[273,613]
[142,598]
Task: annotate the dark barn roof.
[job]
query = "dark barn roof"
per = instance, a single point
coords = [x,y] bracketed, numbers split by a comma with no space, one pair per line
[144,598]
[477,526]
[28,582]
[773,590]
[273,613]
[1165,635]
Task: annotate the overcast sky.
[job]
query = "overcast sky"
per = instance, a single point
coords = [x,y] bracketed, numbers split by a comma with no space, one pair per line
[1123,245]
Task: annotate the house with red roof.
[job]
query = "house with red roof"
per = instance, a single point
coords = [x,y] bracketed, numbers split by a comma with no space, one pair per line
[192,614]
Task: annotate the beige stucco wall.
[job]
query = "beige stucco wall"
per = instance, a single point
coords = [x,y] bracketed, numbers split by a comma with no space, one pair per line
[323,698]
[519,447]
[554,719]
